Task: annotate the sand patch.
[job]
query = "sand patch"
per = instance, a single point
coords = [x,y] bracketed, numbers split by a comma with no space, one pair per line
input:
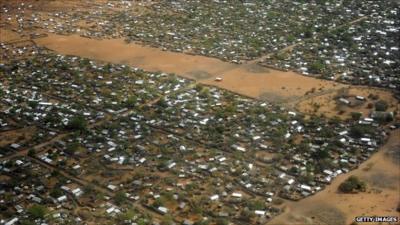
[8,35]
[249,80]
[329,105]
[16,136]
[200,74]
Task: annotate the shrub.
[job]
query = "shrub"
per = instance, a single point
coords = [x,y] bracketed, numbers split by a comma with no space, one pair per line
[381,105]
[131,101]
[221,221]
[37,211]
[358,131]
[120,198]
[31,152]
[356,115]
[77,123]
[317,67]
[352,184]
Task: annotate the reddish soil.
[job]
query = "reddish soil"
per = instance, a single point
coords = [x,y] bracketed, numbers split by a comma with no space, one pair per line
[250,80]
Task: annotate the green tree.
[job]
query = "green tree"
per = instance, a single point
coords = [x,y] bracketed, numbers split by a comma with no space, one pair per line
[37,211]
[356,115]
[352,184]
[381,105]
[77,123]
[120,198]
[221,221]
[359,130]
[31,152]
[317,67]
[131,101]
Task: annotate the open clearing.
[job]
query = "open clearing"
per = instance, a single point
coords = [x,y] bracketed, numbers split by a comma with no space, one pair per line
[250,80]
[330,106]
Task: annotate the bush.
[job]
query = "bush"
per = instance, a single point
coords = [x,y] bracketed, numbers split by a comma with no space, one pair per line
[131,101]
[31,152]
[27,222]
[162,103]
[320,154]
[358,131]
[317,67]
[77,123]
[356,115]
[167,220]
[381,105]
[37,211]
[246,215]
[120,198]
[221,221]
[352,184]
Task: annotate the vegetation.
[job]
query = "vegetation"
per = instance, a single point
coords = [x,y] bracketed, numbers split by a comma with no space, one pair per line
[356,115]
[317,67]
[221,221]
[359,130]
[37,211]
[120,198]
[77,123]
[381,105]
[31,152]
[351,185]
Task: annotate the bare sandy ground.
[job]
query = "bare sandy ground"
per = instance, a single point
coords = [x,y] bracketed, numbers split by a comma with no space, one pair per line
[329,106]
[382,175]
[8,35]
[250,80]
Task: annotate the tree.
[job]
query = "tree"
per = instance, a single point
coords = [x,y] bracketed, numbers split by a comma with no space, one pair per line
[358,131]
[320,154]
[381,105]
[221,221]
[167,220]
[56,192]
[37,211]
[27,222]
[246,215]
[162,103]
[131,101]
[356,115]
[72,148]
[77,123]
[255,205]
[31,152]
[317,67]
[120,198]
[205,92]
[128,215]
[352,184]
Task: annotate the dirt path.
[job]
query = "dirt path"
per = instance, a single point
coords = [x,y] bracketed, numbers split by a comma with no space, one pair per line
[382,175]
